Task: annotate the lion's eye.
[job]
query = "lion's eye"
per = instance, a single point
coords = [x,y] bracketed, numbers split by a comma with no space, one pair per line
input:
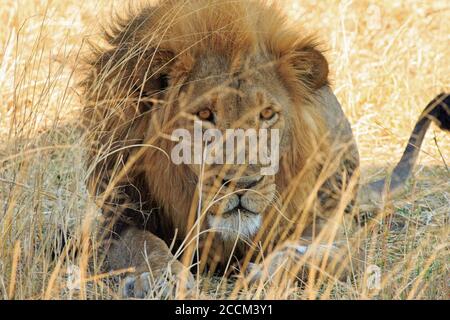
[163,81]
[206,115]
[268,113]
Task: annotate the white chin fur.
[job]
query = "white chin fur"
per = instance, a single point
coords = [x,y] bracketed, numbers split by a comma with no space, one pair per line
[232,226]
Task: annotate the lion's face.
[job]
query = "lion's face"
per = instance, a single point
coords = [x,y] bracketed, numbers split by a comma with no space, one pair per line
[235,196]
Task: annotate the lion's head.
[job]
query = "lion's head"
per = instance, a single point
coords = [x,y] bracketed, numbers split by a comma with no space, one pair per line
[229,64]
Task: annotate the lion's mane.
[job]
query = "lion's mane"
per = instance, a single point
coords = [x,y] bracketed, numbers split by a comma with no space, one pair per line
[131,90]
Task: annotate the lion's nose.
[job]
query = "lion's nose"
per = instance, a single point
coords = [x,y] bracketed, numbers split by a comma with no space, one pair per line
[243,182]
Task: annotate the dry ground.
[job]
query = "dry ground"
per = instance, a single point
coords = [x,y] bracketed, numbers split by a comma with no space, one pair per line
[388,59]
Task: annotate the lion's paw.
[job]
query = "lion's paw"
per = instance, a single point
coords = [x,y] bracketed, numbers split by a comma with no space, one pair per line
[254,273]
[266,271]
[136,286]
[141,285]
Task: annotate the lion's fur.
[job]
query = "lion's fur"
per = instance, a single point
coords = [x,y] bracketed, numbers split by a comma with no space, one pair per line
[135,92]
[124,116]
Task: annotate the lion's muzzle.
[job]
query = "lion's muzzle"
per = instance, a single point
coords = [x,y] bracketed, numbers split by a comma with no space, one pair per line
[239,205]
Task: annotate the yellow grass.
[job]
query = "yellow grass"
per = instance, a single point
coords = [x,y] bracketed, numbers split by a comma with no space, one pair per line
[388,59]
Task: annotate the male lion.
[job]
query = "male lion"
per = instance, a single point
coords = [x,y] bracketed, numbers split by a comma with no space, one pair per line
[229,64]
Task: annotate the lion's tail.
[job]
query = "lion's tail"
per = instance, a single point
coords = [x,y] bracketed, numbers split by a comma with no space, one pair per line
[373,194]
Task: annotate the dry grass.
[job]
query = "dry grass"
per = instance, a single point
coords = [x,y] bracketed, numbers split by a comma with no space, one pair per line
[385,66]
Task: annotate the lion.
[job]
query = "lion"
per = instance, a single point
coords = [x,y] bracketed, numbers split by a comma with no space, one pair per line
[228,65]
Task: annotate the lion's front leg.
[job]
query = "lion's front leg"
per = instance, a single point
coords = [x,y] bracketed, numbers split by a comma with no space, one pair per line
[327,258]
[156,269]
[296,261]
[292,258]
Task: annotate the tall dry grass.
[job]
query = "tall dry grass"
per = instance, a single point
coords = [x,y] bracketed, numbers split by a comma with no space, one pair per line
[388,59]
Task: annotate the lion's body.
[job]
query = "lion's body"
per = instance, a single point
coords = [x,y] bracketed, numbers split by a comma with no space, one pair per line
[168,56]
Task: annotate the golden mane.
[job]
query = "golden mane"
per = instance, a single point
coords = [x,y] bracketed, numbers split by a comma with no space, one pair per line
[131,174]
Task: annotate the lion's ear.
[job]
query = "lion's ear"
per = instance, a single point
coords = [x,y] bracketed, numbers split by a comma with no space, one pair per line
[127,66]
[151,71]
[311,67]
